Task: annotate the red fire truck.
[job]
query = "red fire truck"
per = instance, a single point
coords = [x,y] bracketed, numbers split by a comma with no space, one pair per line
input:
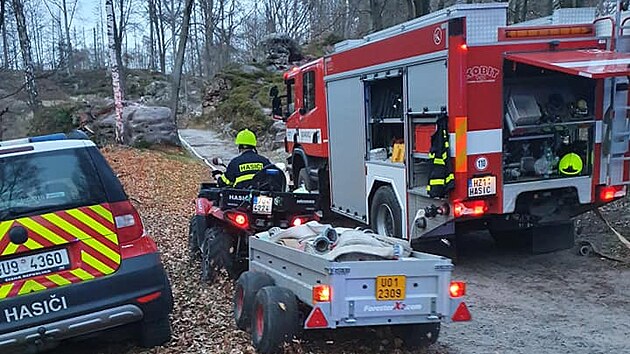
[516,129]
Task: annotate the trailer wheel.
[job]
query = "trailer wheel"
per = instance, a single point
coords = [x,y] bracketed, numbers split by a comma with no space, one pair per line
[216,253]
[416,336]
[385,213]
[275,318]
[245,291]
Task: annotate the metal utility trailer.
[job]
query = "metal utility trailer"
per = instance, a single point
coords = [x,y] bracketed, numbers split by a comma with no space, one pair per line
[286,288]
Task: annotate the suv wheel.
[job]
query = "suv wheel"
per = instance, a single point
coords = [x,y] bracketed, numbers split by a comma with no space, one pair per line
[155,333]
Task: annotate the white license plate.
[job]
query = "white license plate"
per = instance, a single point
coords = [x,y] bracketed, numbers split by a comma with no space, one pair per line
[480,186]
[262,205]
[32,265]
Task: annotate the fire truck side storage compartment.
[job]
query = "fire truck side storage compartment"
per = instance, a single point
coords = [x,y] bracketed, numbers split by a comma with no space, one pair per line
[384,108]
[548,124]
[427,87]
[346,127]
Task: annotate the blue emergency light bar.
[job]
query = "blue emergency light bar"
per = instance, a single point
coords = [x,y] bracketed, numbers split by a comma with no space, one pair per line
[50,137]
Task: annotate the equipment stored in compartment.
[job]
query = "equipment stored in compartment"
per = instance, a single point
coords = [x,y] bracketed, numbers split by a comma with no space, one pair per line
[548,125]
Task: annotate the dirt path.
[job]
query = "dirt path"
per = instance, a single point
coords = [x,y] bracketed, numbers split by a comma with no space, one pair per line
[552,303]
[208,144]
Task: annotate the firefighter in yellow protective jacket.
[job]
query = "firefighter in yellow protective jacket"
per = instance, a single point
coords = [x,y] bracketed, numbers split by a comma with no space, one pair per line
[241,169]
[441,178]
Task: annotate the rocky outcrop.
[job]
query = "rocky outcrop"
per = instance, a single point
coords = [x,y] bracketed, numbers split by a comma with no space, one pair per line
[143,125]
[278,51]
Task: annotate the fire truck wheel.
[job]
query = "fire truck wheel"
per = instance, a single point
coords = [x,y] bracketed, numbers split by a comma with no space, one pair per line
[245,291]
[417,335]
[216,253]
[275,318]
[385,213]
[304,179]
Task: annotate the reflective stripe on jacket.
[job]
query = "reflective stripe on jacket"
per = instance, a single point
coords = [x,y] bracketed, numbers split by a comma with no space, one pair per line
[242,169]
[441,177]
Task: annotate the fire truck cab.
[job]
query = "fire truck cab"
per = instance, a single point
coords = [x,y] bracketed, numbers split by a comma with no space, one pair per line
[457,120]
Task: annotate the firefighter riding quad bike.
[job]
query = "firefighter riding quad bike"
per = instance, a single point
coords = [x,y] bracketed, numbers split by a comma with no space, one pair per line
[226,217]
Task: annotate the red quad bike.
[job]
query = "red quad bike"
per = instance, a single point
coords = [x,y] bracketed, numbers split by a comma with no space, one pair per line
[226,217]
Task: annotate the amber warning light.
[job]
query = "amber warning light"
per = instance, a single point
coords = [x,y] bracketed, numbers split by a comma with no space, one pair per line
[555,31]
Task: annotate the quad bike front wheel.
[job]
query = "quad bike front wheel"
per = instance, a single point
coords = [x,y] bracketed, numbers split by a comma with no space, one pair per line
[196,230]
[217,253]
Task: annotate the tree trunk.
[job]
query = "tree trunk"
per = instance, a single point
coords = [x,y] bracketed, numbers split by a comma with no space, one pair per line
[376,15]
[69,64]
[159,25]
[179,61]
[151,35]
[422,7]
[113,62]
[411,9]
[207,7]
[3,24]
[25,45]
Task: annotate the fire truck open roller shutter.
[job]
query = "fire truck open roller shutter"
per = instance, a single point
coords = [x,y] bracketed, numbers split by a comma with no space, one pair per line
[591,63]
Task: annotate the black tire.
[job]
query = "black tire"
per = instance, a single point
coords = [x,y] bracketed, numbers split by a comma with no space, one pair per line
[216,253]
[275,318]
[245,291]
[385,213]
[304,179]
[196,231]
[155,333]
[417,336]
[512,239]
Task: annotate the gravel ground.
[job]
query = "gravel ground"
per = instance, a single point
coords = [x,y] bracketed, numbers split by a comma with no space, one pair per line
[553,303]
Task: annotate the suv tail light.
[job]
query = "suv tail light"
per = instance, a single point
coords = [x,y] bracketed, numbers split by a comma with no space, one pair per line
[133,241]
[128,223]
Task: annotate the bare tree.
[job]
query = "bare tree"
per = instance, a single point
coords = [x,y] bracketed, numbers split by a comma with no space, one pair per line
[25,45]
[156,20]
[207,8]
[179,61]
[289,17]
[65,10]
[114,65]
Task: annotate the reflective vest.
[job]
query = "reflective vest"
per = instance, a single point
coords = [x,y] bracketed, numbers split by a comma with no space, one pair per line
[242,169]
[441,178]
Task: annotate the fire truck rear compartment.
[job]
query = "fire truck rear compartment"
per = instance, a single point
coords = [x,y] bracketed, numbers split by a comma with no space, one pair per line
[548,124]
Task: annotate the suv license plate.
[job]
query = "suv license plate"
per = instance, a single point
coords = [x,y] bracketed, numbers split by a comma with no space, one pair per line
[480,186]
[390,287]
[262,205]
[36,264]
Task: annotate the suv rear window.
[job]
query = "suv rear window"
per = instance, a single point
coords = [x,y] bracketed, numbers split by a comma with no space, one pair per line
[47,182]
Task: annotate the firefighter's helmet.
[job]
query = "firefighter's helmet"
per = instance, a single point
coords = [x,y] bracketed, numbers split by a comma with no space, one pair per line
[245,137]
[570,164]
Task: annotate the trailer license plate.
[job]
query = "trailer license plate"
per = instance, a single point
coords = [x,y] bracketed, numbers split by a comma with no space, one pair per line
[480,186]
[390,287]
[36,264]
[263,205]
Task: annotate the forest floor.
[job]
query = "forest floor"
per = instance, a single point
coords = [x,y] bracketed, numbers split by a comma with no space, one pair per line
[552,303]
